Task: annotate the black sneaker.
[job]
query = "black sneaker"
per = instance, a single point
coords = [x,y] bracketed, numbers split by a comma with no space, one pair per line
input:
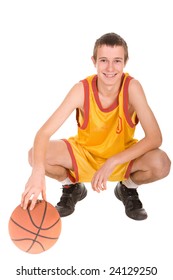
[129,197]
[70,196]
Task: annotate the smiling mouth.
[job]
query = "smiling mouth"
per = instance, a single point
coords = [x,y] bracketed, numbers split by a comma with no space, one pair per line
[109,75]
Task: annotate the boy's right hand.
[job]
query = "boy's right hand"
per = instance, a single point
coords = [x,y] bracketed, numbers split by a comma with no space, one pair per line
[34,186]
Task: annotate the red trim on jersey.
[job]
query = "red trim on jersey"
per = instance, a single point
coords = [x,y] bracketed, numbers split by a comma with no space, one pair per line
[126,102]
[127,174]
[86,106]
[73,162]
[96,95]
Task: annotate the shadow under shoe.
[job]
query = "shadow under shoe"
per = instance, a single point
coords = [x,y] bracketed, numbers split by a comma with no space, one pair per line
[133,206]
[70,196]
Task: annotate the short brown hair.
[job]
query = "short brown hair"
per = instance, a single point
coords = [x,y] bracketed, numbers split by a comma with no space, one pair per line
[111,39]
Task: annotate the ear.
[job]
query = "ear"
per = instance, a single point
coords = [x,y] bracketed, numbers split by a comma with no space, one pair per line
[126,62]
[93,60]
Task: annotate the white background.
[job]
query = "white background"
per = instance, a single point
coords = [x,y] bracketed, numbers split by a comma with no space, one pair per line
[45,48]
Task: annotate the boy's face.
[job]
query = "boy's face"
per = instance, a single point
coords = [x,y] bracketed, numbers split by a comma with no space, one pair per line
[109,63]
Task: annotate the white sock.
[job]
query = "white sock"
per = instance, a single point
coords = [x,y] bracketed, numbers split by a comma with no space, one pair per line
[130,184]
[67,181]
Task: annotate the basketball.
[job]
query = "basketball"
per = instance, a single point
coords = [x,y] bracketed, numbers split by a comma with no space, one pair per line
[37,230]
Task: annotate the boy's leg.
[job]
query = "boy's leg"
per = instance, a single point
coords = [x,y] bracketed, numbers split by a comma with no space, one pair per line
[153,166]
[58,161]
[148,168]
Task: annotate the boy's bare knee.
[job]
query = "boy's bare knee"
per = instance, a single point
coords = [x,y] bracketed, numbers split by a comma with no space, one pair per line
[166,164]
[163,165]
[30,156]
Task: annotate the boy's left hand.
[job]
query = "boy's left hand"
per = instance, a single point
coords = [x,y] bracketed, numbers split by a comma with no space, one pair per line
[101,176]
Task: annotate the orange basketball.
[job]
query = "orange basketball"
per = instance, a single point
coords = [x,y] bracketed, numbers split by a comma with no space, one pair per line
[37,230]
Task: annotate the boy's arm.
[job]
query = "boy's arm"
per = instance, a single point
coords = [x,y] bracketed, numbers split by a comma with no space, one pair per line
[151,140]
[36,182]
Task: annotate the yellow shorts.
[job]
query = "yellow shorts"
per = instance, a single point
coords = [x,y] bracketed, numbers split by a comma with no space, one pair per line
[85,164]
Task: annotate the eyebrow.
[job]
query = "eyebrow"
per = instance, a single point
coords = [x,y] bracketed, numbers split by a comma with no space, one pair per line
[120,58]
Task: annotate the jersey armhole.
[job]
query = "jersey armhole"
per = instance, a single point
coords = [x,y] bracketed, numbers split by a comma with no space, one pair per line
[86,106]
[132,120]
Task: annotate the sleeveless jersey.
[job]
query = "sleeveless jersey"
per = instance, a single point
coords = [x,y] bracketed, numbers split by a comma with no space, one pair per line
[102,132]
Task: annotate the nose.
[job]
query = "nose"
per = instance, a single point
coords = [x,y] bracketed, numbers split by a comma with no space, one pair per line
[110,66]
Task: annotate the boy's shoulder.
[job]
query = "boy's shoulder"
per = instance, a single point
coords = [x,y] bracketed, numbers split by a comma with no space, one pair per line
[90,78]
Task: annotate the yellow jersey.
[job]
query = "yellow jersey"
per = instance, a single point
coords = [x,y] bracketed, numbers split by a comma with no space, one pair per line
[102,133]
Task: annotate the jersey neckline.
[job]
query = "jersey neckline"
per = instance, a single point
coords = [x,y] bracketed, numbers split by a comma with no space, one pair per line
[97,99]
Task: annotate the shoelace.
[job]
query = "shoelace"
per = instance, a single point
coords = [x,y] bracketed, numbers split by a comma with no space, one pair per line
[66,196]
[133,202]
[132,199]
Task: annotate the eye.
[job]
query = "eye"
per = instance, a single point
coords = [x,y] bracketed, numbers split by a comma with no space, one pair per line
[118,61]
[103,60]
